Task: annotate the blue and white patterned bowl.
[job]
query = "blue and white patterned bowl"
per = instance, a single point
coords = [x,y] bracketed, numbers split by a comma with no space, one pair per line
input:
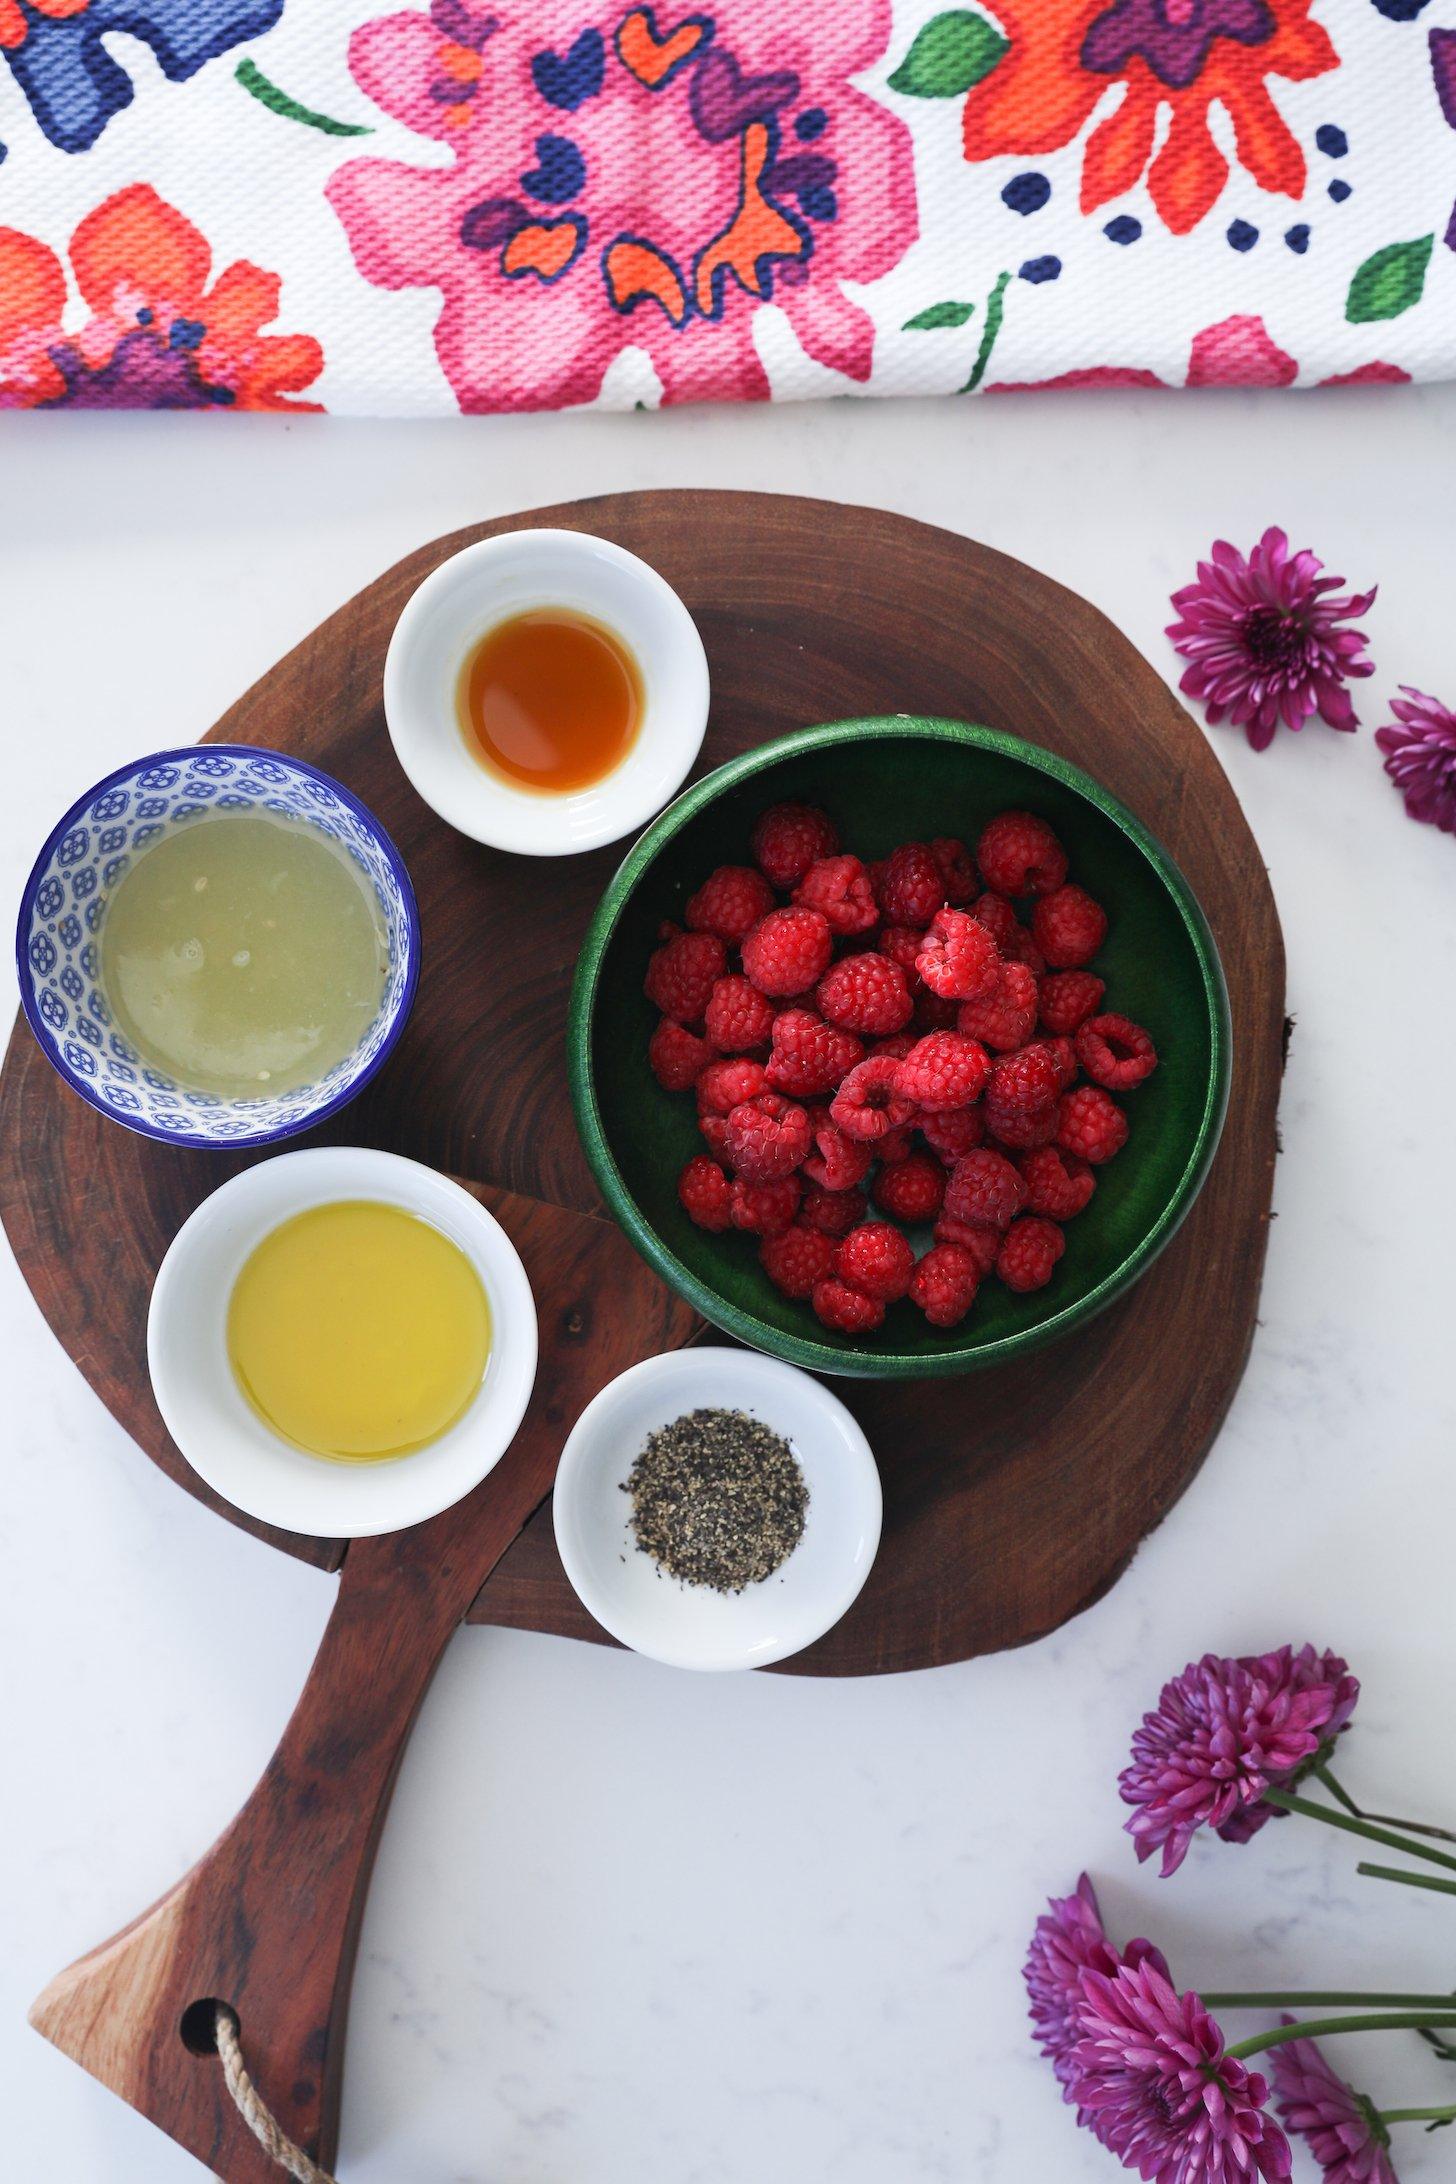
[58,934]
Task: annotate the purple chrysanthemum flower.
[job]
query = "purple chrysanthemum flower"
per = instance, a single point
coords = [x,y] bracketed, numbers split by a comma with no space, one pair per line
[1070,1939]
[1343,2128]
[1223,1733]
[1420,755]
[1263,642]
[1160,2092]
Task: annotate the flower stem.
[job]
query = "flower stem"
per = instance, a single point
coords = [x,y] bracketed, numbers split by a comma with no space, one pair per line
[1411,1880]
[1331,1999]
[1418,2115]
[1325,2028]
[1312,1811]
[1385,1819]
[991,327]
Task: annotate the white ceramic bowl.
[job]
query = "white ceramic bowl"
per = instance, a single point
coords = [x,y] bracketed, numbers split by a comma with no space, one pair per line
[690,1626]
[486,584]
[219,1432]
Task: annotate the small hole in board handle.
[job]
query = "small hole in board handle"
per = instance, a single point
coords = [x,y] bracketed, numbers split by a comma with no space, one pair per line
[199,2025]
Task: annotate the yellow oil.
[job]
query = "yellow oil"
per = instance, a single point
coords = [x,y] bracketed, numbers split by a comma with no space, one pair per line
[358,1331]
[244,954]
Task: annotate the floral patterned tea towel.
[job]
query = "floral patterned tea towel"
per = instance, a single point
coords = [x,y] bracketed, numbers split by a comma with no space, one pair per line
[526,204]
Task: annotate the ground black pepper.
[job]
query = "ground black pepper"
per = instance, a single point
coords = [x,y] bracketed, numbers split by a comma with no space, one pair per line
[718,1499]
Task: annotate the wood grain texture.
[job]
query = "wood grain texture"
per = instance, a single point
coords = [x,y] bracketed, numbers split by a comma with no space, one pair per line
[268,1920]
[1012,1499]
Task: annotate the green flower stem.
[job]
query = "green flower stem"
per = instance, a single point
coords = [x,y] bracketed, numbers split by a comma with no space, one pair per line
[1329,1999]
[995,312]
[1417,2115]
[1312,1811]
[1411,1880]
[252,79]
[1385,1819]
[1325,2028]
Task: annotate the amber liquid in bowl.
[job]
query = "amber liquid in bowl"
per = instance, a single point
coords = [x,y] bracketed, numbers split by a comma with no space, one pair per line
[550,699]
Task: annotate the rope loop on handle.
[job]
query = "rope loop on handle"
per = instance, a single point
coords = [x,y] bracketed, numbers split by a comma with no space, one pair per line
[253,2109]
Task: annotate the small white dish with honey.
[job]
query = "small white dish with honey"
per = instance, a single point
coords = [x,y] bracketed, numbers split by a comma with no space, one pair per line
[546,692]
[342,1341]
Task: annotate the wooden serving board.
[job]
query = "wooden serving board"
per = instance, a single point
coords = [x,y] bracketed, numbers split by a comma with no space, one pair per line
[1013,1498]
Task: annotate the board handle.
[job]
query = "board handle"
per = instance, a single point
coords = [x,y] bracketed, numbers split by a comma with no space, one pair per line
[268,1920]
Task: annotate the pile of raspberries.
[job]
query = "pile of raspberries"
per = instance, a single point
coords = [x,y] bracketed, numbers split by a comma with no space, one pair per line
[921,1036]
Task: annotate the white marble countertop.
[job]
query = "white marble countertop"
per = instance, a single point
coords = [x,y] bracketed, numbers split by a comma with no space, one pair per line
[628,1923]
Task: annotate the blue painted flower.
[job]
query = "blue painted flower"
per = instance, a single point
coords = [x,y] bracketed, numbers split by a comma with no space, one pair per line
[56,53]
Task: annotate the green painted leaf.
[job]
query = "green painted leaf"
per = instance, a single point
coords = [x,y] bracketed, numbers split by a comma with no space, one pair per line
[952,52]
[936,315]
[1390,282]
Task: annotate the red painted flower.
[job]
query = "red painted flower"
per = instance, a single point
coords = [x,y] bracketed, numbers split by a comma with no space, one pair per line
[1171,60]
[157,336]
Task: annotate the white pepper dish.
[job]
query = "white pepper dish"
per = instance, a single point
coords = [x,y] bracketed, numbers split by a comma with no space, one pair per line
[692,1626]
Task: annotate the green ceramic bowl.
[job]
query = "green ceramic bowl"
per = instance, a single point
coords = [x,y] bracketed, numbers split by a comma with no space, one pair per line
[889,781]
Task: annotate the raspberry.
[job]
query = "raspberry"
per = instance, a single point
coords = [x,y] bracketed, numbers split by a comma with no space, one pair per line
[959,960]
[982,1243]
[723,1084]
[944,1284]
[1029,1251]
[953,862]
[788,838]
[787,951]
[835,1212]
[902,944]
[876,1258]
[1116,1052]
[943,1071]
[846,1308]
[809,1057]
[729,901]
[1019,855]
[738,1016]
[1067,998]
[1021,948]
[895,1146]
[910,887]
[767,1137]
[898,1045]
[683,972]
[704,1192]
[839,889]
[1060,1184]
[1090,1124]
[1021,1097]
[678,1057]
[996,914]
[932,1013]
[1069,928]
[1064,1055]
[865,993]
[838,1161]
[985,1190]
[869,1103]
[796,1259]
[913,1190]
[764,1209]
[714,1129]
[1006,1018]
[951,1137]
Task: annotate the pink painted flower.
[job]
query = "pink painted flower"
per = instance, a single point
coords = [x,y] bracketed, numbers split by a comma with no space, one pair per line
[1069,1940]
[1343,2129]
[623,179]
[1263,639]
[1223,1733]
[1161,2093]
[1237,352]
[1420,757]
